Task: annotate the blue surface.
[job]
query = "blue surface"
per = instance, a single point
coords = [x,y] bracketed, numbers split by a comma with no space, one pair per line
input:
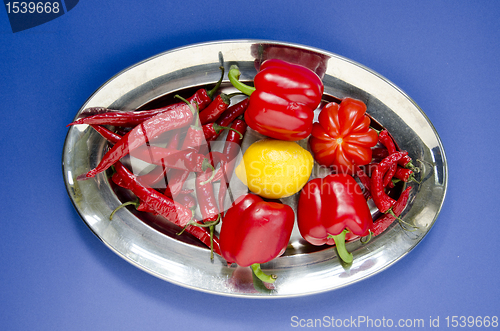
[56,275]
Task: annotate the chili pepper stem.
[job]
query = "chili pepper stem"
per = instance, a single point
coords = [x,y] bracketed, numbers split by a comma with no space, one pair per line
[135,203]
[340,245]
[218,128]
[216,87]
[395,181]
[367,240]
[201,225]
[234,75]
[212,241]
[423,162]
[262,275]
[205,165]
[411,178]
[193,110]
[401,222]
[212,228]
[190,222]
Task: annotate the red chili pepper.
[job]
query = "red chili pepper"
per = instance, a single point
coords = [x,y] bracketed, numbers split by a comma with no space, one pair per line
[109,135]
[185,199]
[133,118]
[201,97]
[213,131]
[233,112]
[231,149]
[379,152]
[167,157]
[174,141]
[142,134]
[255,231]
[217,158]
[330,207]
[215,109]
[404,174]
[194,139]
[365,180]
[283,101]
[206,199]
[205,196]
[154,177]
[343,138]
[407,162]
[381,199]
[172,158]
[387,219]
[177,177]
[159,173]
[387,141]
[171,210]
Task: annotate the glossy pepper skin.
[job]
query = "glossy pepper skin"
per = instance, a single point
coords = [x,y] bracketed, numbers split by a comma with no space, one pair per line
[329,207]
[283,101]
[342,137]
[255,231]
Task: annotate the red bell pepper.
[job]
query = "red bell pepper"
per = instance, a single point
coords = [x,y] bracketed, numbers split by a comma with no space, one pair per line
[331,207]
[283,101]
[255,231]
[343,138]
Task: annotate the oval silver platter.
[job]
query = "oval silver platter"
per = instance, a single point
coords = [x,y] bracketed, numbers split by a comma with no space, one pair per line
[303,269]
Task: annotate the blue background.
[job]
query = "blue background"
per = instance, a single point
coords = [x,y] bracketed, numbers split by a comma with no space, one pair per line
[56,275]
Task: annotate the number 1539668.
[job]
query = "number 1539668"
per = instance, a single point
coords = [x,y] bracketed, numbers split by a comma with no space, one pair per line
[471,321]
[32,7]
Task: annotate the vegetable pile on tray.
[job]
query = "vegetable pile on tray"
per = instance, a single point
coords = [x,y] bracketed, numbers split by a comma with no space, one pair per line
[175,142]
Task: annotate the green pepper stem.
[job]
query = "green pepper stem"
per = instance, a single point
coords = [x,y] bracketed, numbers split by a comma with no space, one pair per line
[262,275]
[404,225]
[212,241]
[135,203]
[201,225]
[193,110]
[216,87]
[367,240]
[204,166]
[218,128]
[197,117]
[341,249]
[190,222]
[207,163]
[234,75]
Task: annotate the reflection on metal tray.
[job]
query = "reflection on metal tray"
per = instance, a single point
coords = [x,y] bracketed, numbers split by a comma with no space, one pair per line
[303,269]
